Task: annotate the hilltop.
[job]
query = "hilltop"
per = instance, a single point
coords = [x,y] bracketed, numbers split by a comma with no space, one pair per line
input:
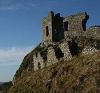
[80,75]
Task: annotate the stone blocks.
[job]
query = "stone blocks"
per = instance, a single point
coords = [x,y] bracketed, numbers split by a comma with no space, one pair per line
[65,49]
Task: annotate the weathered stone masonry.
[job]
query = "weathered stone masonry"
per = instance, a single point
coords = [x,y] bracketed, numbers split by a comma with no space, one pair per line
[51,56]
[38,61]
[65,49]
[65,37]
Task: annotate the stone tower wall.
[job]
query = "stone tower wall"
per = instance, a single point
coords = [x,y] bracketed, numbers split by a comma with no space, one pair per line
[38,61]
[53,28]
[48,27]
[58,31]
[44,25]
[51,56]
[77,22]
[65,49]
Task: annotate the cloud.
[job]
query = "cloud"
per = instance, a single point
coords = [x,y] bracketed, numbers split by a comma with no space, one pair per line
[16,6]
[22,4]
[13,55]
[7,8]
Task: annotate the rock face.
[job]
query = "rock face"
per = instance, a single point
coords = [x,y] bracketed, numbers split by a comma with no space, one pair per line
[64,38]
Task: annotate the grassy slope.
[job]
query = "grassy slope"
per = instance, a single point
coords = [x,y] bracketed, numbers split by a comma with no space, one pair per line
[80,75]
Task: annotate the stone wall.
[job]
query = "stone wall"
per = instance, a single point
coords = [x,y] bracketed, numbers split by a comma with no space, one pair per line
[53,27]
[76,23]
[44,25]
[48,27]
[58,31]
[51,56]
[65,49]
[38,61]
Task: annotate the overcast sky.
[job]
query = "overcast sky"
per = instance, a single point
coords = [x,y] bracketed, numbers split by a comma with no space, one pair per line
[21,26]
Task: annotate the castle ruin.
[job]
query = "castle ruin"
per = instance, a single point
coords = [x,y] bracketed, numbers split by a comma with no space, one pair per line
[64,38]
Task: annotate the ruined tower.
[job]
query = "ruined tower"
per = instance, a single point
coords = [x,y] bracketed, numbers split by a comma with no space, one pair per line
[53,28]
[64,38]
[56,28]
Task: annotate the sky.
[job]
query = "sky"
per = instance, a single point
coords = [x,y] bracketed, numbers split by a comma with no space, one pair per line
[21,27]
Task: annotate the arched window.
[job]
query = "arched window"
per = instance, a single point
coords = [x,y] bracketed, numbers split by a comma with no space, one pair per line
[47,31]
